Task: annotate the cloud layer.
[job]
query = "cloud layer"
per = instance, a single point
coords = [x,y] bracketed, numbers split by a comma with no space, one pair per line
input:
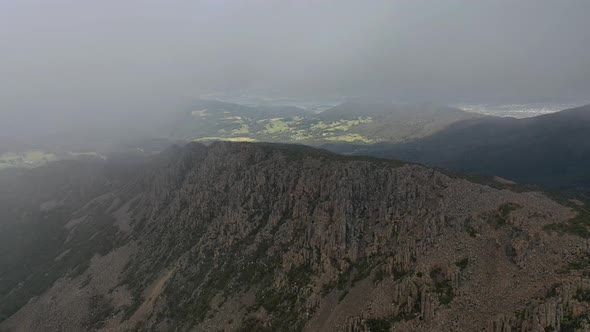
[92,58]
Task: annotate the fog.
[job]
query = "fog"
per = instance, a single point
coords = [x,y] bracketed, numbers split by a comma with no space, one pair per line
[72,62]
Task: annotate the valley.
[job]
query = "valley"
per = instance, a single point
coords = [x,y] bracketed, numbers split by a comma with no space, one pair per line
[362,122]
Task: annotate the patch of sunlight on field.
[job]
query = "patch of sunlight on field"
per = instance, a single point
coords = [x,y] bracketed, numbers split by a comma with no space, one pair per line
[318,126]
[350,138]
[346,124]
[244,129]
[228,139]
[276,125]
[340,125]
[234,119]
[300,135]
[33,158]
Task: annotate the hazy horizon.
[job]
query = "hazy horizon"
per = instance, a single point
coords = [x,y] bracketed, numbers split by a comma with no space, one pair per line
[67,63]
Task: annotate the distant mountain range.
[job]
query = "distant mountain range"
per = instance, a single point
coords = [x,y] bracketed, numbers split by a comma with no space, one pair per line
[551,149]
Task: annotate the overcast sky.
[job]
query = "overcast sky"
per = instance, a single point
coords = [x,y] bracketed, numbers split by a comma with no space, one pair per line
[94,57]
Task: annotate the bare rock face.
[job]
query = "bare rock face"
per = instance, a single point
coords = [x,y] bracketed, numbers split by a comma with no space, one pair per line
[261,237]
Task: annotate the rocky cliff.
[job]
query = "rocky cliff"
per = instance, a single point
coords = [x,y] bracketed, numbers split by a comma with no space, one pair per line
[263,237]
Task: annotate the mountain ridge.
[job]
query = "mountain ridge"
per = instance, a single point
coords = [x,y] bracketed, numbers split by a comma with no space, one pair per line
[242,237]
[549,149]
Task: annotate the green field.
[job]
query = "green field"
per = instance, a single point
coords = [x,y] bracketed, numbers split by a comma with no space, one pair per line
[28,159]
[350,138]
[228,139]
[309,130]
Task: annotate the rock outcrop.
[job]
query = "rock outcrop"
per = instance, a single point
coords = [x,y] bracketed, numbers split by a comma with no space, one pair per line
[263,237]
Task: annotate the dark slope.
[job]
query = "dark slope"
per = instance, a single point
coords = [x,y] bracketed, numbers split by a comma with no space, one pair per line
[551,150]
[35,208]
